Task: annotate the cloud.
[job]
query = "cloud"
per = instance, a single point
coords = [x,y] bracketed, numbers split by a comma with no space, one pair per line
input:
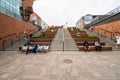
[58,12]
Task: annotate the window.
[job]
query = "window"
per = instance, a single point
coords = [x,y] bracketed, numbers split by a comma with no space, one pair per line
[88,19]
[34,18]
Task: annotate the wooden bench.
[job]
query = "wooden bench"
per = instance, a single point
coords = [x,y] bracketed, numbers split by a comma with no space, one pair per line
[92,48]
[90,43]
[24,48]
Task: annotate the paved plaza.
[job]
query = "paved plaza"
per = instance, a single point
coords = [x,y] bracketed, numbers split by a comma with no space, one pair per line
[59,65]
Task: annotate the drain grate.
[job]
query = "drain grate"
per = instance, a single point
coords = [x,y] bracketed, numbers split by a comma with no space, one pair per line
[67,61]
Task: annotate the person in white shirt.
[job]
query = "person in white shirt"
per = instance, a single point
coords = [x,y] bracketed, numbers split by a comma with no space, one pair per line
[97,46]
[117,41]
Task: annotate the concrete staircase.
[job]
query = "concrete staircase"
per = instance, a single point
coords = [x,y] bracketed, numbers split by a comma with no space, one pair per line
[103,39]
[60,44]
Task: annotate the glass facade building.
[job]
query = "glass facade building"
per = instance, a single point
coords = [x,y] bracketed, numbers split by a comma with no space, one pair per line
[11,8]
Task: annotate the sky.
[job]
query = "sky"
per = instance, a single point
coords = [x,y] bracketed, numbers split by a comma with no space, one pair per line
[58,12]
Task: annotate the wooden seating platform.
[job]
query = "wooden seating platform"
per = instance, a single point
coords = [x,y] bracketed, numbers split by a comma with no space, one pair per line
[90,43]
[92,48]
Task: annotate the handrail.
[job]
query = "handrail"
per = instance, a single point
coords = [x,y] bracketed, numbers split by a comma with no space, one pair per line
[3,39]
[105,30]
[108,32]
[116,10]
[7,36]
[19,35]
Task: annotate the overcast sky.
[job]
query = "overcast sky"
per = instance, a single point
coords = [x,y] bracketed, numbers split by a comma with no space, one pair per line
[58,12]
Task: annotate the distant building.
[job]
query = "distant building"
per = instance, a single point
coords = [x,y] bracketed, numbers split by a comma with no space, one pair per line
[87,19]
[44,25]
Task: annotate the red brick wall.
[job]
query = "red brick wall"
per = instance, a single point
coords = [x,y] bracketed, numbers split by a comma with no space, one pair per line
[113,27]
[28,3]
[9,25]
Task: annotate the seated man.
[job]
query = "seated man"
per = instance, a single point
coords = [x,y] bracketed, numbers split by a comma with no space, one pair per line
[86,46]
[38,50]
[34,48]
[97,46]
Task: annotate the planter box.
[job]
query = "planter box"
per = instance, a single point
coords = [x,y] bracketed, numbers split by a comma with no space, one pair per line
[86,39]
[41,40]
[82,33]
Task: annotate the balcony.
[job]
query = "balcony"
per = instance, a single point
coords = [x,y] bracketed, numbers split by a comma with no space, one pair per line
[29,10]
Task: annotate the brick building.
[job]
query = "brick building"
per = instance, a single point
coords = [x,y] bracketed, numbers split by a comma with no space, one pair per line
[15,17]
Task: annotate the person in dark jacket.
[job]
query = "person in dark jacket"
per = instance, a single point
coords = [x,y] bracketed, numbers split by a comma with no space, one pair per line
[86,46]
[34,48]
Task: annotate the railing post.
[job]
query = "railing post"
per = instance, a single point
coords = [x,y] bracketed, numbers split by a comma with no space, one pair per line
[11,42]
[3,43]
[63,38]
[98,32]
[111,36]
[101,34]
[19,37]
[105,34]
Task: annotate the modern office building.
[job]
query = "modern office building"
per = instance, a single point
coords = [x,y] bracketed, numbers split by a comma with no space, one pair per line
[11,8]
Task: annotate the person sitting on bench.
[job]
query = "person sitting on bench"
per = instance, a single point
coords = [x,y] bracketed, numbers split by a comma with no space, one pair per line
[97,46]
[38,50]
[86,46]
[117,42]
[34,48]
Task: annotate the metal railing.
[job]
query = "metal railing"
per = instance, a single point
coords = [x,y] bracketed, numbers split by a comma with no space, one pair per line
[4,40]
[10,38]
[114,11]
[104,33]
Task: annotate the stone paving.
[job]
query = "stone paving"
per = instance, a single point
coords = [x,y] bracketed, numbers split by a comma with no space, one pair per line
[60,65]
[15,65]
